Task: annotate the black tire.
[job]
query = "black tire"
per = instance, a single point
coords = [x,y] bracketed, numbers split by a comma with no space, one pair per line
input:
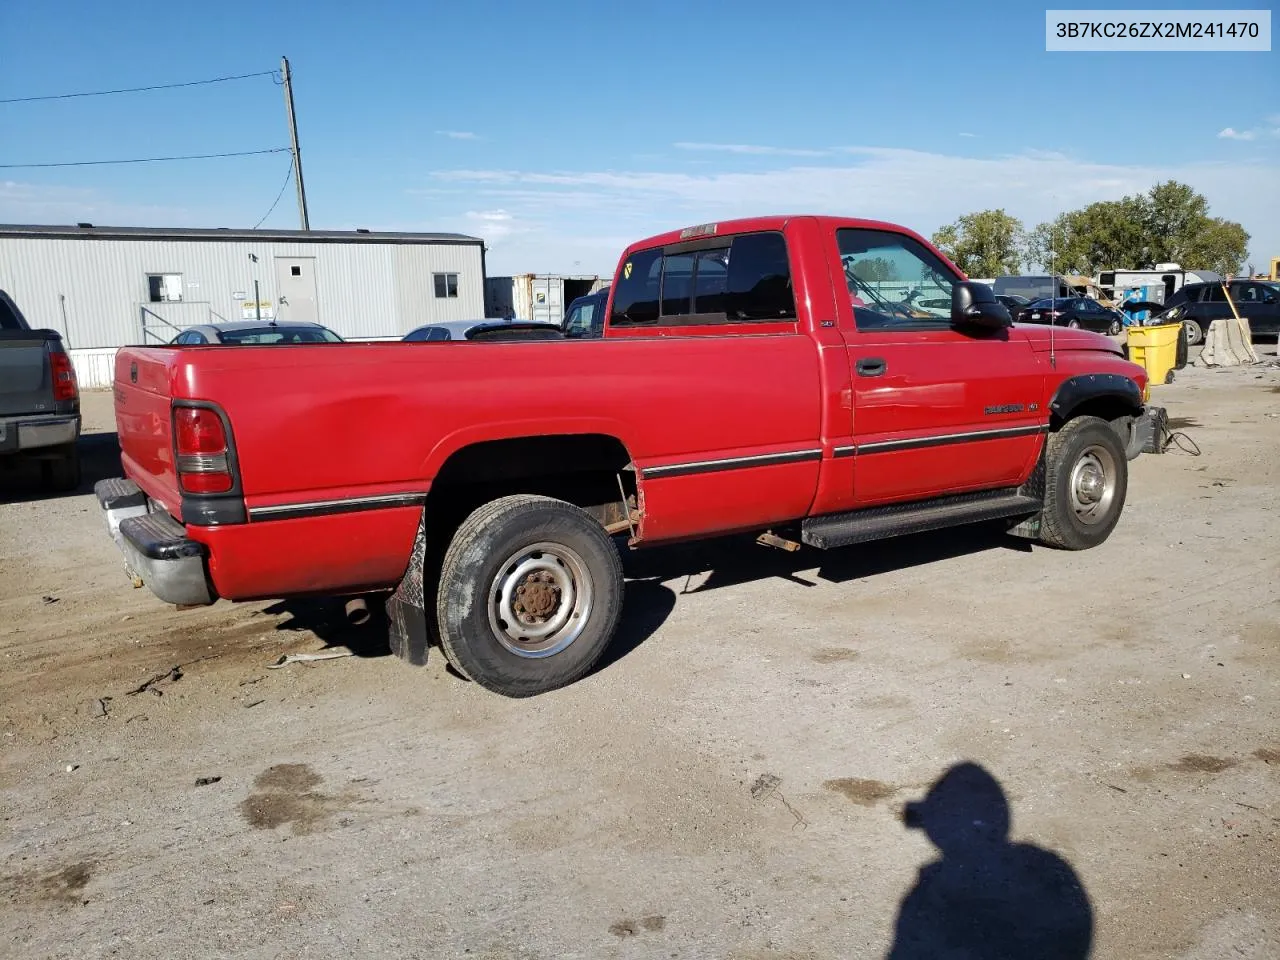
[1086,480]
[62,472]
[1074,324]
[1194,332]
[1115,328]
[487,553]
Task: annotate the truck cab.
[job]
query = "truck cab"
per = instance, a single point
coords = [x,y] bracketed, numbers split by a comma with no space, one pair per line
[584,320]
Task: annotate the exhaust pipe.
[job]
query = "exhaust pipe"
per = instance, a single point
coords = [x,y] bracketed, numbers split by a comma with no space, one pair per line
[358,612]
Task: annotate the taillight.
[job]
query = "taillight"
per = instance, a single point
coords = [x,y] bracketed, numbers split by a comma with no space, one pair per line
[201,451]
[64,376]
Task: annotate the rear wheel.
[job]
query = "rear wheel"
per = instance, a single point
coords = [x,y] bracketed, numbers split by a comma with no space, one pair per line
[1074,324]
[62,472]
[1086,480]
[1115,328]
[1194,332]
[529,597]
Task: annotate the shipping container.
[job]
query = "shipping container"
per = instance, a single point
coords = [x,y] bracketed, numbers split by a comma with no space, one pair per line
[530,296]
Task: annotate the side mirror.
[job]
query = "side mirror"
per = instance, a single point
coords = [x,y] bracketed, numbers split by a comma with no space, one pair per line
[975,305]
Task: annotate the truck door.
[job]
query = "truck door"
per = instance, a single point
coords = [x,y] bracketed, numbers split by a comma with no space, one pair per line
[936,410]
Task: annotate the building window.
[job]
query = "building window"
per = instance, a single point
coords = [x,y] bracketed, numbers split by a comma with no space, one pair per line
[295,271]
[446,284]
[164,287]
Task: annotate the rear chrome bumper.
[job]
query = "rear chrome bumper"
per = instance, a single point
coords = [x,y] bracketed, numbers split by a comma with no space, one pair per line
[156,548]
[33,433]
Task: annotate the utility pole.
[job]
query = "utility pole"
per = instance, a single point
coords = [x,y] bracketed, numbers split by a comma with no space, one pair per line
[293,140]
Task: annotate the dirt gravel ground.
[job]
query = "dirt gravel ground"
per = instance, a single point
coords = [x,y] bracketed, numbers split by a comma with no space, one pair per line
[731,784]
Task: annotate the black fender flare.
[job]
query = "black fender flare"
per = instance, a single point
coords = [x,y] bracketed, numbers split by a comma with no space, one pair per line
[1074,391]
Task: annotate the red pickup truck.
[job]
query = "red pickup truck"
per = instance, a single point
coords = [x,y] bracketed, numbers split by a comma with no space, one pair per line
[831,380]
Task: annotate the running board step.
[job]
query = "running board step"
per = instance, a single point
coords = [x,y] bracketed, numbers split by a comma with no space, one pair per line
[877,523]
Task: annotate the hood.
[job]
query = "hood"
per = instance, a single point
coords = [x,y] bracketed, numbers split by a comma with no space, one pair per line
[1065,338]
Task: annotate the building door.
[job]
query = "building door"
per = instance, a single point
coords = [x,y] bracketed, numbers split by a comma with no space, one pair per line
[296,289]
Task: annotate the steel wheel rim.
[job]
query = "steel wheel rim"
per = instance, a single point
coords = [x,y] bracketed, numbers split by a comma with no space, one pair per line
[1074,324]
[1092,485]
[540,600]
[1193,333]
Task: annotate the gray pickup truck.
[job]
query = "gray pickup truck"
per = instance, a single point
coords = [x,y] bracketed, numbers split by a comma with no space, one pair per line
[39,399]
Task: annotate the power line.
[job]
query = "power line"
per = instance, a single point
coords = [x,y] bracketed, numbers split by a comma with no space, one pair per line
[158,86]
[98,163]
[288,175]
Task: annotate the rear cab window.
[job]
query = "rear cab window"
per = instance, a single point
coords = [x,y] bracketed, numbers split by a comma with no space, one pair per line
[743,278]
[9,319]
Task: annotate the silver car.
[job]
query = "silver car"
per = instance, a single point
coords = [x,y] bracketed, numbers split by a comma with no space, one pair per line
[490,329]
[255,333]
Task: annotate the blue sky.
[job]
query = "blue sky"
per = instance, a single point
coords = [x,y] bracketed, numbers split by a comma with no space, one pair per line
[563,131]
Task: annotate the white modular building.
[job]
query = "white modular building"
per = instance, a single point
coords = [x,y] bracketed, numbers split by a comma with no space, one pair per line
[105,287]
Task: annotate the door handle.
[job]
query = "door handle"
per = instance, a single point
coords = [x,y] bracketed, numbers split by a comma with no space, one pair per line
[871,367]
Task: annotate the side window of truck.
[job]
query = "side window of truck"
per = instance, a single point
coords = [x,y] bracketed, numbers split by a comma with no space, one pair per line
[745,278]
[894,281]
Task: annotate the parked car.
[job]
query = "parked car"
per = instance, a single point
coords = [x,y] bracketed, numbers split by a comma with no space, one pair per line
[39,399]
[255,333]
[1082,312]
[483,485]
[490,329]
[1258,301]
[585,317]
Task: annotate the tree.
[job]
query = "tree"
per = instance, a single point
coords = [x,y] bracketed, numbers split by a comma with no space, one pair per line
[1168,224]
[875,269]
[1219,245]
[983,244]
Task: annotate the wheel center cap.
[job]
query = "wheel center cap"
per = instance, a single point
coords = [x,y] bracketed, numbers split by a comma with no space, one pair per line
[1090,485]
[537,598]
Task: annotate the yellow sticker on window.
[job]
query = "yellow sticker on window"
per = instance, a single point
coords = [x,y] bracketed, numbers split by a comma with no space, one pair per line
[626,271]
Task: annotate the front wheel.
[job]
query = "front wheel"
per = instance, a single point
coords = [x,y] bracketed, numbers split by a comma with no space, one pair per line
[1086,480]
[1115,328]
[529,597]
[1074,324]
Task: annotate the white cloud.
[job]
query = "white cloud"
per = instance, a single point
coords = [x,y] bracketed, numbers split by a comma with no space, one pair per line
[748,148]
[457,134]
[965,134]
[1270,128]
[41,203]
[562,211]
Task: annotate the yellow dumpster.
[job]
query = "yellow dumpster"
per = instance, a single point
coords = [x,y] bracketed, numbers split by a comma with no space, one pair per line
[1156,349]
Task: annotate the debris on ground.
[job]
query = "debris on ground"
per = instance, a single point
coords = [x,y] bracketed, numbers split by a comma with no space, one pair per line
[174,674]
[206,781]
[289,658]
[48,599]
[97,707]
[72,767]
[766,786]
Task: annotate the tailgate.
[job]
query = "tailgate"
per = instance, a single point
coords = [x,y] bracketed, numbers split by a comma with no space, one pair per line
[26,381]
[143,424]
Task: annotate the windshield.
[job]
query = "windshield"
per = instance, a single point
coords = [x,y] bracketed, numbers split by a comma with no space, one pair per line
[261,335]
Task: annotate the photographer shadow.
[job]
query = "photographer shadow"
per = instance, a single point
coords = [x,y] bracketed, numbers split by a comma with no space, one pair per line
[986,898]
